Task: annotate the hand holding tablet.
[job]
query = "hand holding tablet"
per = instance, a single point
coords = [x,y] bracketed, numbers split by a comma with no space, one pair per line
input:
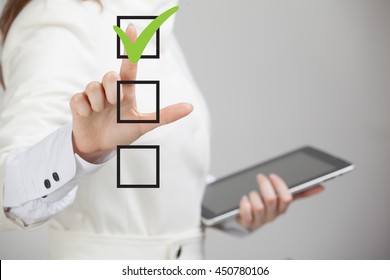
[301,169]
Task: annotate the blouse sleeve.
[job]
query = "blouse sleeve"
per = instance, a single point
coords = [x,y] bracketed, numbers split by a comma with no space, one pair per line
[47,57]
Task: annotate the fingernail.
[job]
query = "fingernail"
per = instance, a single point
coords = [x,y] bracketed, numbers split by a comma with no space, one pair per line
[130,26]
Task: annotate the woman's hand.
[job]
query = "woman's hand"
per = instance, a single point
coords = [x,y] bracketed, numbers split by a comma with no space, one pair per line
[274,198]
[94,111]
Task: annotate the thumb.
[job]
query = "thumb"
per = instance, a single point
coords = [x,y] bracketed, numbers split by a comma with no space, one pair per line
[313,191]
[168,115]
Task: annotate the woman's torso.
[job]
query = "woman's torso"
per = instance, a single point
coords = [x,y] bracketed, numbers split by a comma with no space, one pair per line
[102,213]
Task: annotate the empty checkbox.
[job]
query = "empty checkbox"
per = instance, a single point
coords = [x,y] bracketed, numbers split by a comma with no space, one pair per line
[138,166]
[147,96]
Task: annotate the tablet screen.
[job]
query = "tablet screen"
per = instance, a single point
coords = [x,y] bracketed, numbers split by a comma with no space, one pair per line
[295,168]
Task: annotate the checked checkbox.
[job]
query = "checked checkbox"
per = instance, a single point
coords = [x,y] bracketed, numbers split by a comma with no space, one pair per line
[136,50]
[152,50]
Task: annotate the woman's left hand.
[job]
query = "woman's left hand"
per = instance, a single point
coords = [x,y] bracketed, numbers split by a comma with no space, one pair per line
[257,209]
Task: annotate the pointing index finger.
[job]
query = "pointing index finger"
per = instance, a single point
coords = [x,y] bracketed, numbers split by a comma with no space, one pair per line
[128,70]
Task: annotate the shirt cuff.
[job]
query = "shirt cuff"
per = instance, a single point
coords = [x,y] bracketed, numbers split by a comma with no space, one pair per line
[84,169]
[35,192]
[39,170]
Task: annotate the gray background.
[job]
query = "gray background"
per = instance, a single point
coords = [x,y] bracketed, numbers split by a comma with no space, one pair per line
[278,75]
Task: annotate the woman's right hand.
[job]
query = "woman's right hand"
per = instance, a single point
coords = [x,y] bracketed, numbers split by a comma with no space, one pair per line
[94,111]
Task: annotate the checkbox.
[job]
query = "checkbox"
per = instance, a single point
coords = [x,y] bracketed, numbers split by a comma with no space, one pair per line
[152,50]
[132,174]
[147,95]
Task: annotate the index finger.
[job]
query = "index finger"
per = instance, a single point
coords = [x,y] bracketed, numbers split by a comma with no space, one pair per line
[128,70]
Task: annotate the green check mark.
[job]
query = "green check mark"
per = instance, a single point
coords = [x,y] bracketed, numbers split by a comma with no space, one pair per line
[135,50]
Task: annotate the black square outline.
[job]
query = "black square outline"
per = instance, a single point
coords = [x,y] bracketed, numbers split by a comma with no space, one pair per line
[142,147]
[118,107]
[118,40]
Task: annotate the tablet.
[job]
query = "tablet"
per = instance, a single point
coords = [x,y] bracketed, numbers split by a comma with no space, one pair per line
[301,169]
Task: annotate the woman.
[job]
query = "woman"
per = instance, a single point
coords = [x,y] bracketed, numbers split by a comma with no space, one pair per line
[56,162]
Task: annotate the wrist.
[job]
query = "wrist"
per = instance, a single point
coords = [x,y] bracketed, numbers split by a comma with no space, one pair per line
[90,154]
